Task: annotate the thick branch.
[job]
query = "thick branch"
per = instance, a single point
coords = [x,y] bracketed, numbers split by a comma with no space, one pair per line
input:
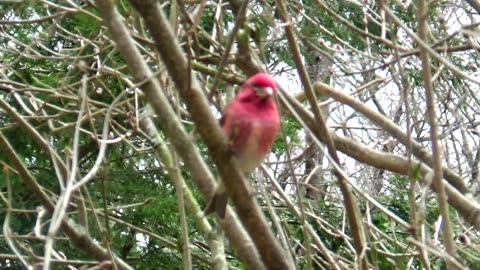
[469,209]
[206,124]
[390,127]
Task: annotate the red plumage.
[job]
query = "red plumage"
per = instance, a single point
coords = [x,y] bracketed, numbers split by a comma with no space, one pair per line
[251,122]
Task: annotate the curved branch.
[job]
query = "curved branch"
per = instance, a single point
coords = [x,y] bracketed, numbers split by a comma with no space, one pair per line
[78,237]
[389,126]
[469,209]
[349,200]
[206,124]
[237,187]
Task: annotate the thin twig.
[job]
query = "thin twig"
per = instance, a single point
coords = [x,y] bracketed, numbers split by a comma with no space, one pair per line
[422,15]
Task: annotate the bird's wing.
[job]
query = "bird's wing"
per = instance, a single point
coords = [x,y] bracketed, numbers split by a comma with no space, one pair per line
[237,129]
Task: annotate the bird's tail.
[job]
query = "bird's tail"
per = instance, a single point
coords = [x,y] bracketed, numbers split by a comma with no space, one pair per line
[218,204]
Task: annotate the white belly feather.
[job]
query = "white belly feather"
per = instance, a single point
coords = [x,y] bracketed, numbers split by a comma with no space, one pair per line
[250,158]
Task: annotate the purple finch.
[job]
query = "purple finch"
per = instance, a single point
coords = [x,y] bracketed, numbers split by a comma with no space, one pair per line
[251,122]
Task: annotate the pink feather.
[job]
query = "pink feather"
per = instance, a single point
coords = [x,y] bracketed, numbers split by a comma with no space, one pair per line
[251,122]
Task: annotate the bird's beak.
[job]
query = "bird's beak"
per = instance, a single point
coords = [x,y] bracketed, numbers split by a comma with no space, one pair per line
[264,92]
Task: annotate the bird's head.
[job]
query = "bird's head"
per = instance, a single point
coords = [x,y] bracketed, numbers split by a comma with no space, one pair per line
[262,83]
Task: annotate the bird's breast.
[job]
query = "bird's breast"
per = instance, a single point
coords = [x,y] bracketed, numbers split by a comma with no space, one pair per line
[255,148]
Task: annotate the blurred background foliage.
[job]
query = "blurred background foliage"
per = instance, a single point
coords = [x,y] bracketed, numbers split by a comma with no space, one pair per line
[49,50]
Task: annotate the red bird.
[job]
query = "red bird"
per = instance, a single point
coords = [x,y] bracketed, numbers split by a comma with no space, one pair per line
[251,122]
